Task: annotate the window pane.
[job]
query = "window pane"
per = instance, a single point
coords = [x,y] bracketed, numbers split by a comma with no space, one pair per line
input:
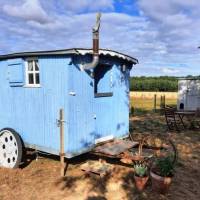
[37,78]
[30,79]
[30,65]
[36,65]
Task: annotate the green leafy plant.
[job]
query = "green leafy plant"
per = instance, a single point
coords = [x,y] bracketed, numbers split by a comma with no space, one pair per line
[140,170]
[164,166]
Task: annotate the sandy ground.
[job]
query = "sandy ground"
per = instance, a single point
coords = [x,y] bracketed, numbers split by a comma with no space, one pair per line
[40,179]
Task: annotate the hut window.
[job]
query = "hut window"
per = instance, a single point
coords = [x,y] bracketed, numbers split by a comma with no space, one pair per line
[103,81]
[32,73]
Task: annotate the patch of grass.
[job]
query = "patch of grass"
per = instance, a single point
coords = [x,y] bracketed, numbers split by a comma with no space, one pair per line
[146,104]
[148,124]
[138,111]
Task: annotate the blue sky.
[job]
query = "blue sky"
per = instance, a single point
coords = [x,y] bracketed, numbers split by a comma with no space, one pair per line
[162,34]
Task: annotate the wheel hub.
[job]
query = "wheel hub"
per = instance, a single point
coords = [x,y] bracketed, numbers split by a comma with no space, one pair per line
[8,149]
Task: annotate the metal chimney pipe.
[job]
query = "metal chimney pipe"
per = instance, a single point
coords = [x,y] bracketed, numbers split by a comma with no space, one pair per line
[95,32]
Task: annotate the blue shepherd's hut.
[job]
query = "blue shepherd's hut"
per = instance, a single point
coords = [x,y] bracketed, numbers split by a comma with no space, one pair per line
[92,87]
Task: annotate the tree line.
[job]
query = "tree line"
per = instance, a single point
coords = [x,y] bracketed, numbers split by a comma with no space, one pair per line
[162,83]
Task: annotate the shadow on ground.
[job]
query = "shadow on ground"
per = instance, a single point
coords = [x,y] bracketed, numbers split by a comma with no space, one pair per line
[40,179]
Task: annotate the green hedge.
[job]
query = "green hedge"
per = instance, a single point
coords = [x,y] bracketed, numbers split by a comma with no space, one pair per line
[163,83]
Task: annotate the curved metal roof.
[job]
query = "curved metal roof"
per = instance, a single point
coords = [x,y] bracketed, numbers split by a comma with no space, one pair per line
[77,51]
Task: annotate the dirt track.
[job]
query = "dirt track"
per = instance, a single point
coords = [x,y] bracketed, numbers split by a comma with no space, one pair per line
[40,179]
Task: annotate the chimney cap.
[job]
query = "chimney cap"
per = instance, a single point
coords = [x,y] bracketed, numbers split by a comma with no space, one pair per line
[98,20]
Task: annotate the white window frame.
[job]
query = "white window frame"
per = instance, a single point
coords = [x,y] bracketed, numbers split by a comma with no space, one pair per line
[34,72]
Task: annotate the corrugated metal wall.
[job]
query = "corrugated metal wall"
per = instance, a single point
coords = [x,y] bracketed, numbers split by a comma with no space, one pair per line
[113,112]
[32,112]
[81,115]
[95,117]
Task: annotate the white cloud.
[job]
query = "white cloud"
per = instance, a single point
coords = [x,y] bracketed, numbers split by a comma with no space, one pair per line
[168,70]
[88,5]
[177,23]
[30,10]
[166,34]
[159,9]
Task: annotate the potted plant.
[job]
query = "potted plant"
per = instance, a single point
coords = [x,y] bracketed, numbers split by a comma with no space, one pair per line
[141,176]
[161,174]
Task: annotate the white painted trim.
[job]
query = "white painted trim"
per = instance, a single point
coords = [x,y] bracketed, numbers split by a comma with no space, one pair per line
[32,86]
[103,139]
[29,72]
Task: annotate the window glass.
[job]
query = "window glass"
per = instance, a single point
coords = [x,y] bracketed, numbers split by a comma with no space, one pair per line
[37,78]
[33,74]
[30,66]
[36,66]
[30,78]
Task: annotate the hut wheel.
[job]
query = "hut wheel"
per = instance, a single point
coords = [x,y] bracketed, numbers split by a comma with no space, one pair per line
[10,148]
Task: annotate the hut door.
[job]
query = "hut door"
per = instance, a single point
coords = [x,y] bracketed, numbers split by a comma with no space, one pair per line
[103,92]
[81,115]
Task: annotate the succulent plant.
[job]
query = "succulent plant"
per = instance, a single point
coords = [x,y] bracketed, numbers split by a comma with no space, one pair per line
[140,170]
[164,166]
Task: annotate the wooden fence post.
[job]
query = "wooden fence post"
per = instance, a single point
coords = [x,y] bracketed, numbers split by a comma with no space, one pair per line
[132,111]
[154,103]
[161,100]
[164,101]
[62,151]
[161,104]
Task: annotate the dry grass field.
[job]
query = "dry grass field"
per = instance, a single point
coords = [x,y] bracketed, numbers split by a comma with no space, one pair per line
[145,100]
[142,94]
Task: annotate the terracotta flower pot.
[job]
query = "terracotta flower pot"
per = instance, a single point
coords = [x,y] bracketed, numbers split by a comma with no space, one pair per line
[140,182]
[160,184]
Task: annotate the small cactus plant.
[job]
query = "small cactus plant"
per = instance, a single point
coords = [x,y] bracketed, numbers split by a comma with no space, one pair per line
[140,170]
[141,176]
